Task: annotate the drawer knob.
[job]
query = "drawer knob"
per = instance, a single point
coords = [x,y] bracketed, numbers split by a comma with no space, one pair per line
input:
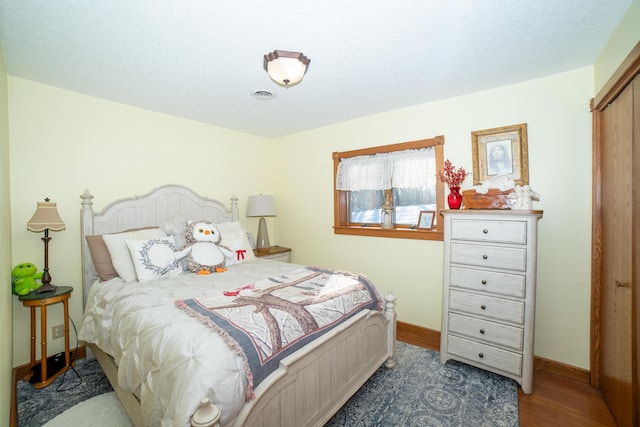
[484,307]
[482,331]
[485,231]
[484,257]
[484,282]
[480,355]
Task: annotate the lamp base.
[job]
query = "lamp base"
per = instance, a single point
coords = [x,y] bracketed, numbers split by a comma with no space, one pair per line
[48,287]
[262,243]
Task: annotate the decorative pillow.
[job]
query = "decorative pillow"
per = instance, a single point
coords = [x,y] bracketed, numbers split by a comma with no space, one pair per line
[235,238]
[120,255]
[100,254]
[101,258]
[154,258]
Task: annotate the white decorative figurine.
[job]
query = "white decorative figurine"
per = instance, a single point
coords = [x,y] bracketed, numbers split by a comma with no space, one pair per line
[524,195]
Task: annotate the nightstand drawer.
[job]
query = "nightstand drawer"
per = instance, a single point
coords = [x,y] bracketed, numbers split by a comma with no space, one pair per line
[486,331]
[487,307]
[275,253]
[489,256]
[489,231]
[482,354]
[283,257]
[488,281]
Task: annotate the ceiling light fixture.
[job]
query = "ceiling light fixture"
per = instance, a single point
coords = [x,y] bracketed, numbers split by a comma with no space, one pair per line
[286,68]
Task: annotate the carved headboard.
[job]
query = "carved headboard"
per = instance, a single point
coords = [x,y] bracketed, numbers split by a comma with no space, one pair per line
[153,209]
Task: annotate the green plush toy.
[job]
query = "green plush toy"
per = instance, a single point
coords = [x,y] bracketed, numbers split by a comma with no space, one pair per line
[24,278]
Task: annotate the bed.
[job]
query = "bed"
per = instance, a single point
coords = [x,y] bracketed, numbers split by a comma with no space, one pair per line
[164,357]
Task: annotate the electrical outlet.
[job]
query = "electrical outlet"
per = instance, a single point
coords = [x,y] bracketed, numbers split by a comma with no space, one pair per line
[57,331]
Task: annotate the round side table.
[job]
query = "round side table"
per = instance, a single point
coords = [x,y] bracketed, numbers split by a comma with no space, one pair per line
[42,300]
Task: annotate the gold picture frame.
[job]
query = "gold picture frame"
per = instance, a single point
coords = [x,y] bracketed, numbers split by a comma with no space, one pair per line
[425,220]
[500,151]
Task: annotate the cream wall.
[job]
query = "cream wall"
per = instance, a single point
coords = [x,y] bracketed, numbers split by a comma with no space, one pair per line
[63,143]
[6,326]
[556,109]
[623,39]
[117,150]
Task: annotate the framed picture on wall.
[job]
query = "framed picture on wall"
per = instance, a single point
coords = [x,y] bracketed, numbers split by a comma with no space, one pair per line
[500,151]
[425,220]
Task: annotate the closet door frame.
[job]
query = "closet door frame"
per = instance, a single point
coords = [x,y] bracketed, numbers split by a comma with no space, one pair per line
[624,75]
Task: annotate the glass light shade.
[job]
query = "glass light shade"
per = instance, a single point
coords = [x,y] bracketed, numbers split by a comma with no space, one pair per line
[286,68]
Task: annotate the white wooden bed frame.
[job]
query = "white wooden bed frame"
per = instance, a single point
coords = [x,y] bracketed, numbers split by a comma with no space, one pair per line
[311,385]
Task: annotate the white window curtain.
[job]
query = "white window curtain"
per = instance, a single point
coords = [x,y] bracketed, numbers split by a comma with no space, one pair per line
[402,169]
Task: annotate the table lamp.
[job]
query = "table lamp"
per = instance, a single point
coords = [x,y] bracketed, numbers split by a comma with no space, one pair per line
[46,218]
[261,205]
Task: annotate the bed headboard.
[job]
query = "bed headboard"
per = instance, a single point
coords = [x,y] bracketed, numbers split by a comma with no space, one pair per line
[153,209]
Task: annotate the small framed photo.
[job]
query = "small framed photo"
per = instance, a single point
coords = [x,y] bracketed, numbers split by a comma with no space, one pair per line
[500,151]
[251,241]
[425,220]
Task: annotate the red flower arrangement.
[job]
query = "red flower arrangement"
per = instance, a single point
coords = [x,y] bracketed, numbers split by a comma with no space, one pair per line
[451,176]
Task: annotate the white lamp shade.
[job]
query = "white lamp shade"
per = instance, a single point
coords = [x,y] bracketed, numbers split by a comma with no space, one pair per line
[261,205]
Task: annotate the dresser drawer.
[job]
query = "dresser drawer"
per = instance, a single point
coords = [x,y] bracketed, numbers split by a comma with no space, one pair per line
[489,231]
[487,307]
[483,354]
[489,256]
[486,331]
[496,283]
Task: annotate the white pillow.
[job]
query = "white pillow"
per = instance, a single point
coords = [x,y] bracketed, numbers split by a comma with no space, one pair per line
[120,255]
[154,258]
[235,238]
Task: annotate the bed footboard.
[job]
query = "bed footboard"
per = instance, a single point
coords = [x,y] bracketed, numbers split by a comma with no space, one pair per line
[311,385]
[308,389]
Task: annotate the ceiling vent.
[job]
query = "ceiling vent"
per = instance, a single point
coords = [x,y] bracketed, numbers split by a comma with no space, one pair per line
[263,94]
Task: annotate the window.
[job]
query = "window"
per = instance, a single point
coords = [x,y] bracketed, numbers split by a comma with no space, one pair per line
[404,173]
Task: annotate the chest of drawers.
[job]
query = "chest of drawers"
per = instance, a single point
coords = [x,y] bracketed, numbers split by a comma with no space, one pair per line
[488,304]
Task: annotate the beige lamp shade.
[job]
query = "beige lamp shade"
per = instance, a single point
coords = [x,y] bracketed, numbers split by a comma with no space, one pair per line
[46,217]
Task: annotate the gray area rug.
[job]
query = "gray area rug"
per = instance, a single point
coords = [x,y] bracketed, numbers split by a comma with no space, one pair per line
[420,392]
[84,381]
[417,392]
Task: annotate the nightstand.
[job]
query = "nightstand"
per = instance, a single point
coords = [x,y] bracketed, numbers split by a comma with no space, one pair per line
[276,253]
[43,300]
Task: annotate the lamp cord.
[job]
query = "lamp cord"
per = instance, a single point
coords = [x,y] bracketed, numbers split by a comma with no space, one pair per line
[73,358]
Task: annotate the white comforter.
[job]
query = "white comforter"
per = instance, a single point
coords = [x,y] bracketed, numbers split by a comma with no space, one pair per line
[169,359]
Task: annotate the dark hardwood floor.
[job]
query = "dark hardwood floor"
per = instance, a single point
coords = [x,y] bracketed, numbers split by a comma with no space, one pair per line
[556,401]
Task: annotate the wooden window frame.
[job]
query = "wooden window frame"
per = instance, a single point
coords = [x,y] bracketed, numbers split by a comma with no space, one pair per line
[341,223]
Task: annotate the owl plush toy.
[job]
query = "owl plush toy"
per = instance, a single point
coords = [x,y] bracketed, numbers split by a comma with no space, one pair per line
[203,250]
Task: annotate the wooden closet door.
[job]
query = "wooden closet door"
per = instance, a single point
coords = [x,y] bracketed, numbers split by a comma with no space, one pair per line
[617,257]
[635,292]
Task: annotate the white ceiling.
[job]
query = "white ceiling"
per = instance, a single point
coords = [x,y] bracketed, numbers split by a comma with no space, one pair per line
[201,59]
